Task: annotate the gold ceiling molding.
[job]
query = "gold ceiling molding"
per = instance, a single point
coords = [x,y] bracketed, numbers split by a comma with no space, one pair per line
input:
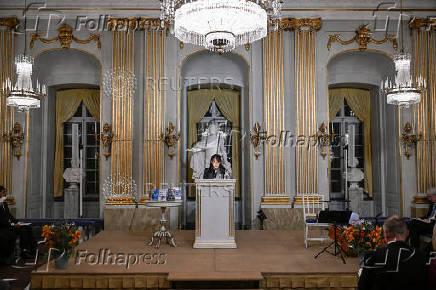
[299,23]
[426,23]
[134,23]
[363,38]
[65,37]
[10,22]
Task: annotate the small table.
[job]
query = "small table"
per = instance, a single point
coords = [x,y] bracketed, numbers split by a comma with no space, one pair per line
[163,232]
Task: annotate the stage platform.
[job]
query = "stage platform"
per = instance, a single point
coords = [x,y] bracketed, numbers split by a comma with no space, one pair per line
[273,259]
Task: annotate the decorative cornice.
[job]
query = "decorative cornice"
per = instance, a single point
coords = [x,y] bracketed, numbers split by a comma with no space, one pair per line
[65,37]
[426,23]
[10,22]
[363,37]
[299,23]
[134,23]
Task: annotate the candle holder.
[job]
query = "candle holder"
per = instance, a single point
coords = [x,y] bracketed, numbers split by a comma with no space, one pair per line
[256,138]
[106,138]
[323,138]
[16,138]
[170,139]
[409,140]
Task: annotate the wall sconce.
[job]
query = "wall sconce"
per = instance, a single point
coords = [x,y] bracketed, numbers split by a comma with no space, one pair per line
[170,139]
[106,138]
[409,140]
[16,138]
[323,139]
[256,138]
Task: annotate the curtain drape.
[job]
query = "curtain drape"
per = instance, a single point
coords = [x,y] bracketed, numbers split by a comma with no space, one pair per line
[199,102]
[67,102]
[359,101]
[228,103]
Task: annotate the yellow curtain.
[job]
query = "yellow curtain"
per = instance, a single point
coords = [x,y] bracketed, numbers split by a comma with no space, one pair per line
[67,102]
[199,102]
[228,103]
[359,101]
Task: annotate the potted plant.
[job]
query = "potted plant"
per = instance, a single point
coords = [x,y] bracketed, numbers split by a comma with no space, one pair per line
[63,239]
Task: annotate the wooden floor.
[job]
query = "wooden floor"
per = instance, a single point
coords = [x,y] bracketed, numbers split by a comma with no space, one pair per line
[273,259]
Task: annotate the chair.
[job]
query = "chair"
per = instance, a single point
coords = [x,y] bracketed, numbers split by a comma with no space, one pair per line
[313,203]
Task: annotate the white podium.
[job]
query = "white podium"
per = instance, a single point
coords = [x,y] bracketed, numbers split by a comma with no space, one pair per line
[214,217]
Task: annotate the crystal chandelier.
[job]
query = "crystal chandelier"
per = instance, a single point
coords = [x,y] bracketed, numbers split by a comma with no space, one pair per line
[22,92]
[220,25]
[404,90]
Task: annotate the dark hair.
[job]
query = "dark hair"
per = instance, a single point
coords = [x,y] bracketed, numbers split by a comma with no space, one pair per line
[2,188]
[217,157]
[395,225]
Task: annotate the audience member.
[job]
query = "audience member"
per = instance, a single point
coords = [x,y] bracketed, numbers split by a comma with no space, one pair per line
[424,225]
[396,266]
[10,228]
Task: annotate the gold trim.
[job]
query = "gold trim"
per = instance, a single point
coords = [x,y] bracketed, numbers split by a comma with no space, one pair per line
[419,199]
[10,22]
[427,23]
[276,200]
[363,37]
[298,23]
[26,166]
[65,37]
[135,23]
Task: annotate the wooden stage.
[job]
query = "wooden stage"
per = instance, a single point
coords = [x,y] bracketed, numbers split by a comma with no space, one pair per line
[264,259]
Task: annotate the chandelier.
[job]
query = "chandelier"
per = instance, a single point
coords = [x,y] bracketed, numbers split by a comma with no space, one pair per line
[404,90]
[22,92]
[220,25]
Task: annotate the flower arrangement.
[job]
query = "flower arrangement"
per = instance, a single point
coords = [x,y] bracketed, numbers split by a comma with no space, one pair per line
[363,237]
[62,237]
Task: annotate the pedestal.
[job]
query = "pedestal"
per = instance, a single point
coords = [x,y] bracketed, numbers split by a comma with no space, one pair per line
[71,202]
[356,197]
[214,215]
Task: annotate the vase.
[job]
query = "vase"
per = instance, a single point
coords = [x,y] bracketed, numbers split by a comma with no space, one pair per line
[61,262]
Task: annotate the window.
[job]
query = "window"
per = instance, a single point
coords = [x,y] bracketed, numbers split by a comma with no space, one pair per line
[214,115]
[344,123]
[88,126]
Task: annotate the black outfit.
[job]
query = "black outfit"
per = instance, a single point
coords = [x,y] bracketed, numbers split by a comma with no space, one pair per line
[397,266]
[417,227]
[10,233]
[212,173]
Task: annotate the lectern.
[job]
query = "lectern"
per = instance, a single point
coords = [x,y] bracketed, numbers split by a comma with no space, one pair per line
[214,217]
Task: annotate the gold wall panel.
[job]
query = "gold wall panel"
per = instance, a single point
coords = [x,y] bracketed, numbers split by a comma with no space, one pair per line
[154,104]
[424,51]
[305,108]
[274,111]
[122,104]
[7,48]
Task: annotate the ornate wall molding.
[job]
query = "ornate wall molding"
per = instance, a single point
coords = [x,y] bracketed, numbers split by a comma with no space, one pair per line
[65,37]
[10,22]
[425,23]
[300,23]
[134,23]
[363,37]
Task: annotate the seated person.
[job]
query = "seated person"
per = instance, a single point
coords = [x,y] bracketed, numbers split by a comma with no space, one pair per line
[216,170]
[27,242]
[396,266]
[424,225]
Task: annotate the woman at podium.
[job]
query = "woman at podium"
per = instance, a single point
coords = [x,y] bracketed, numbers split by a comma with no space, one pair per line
[216,170]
